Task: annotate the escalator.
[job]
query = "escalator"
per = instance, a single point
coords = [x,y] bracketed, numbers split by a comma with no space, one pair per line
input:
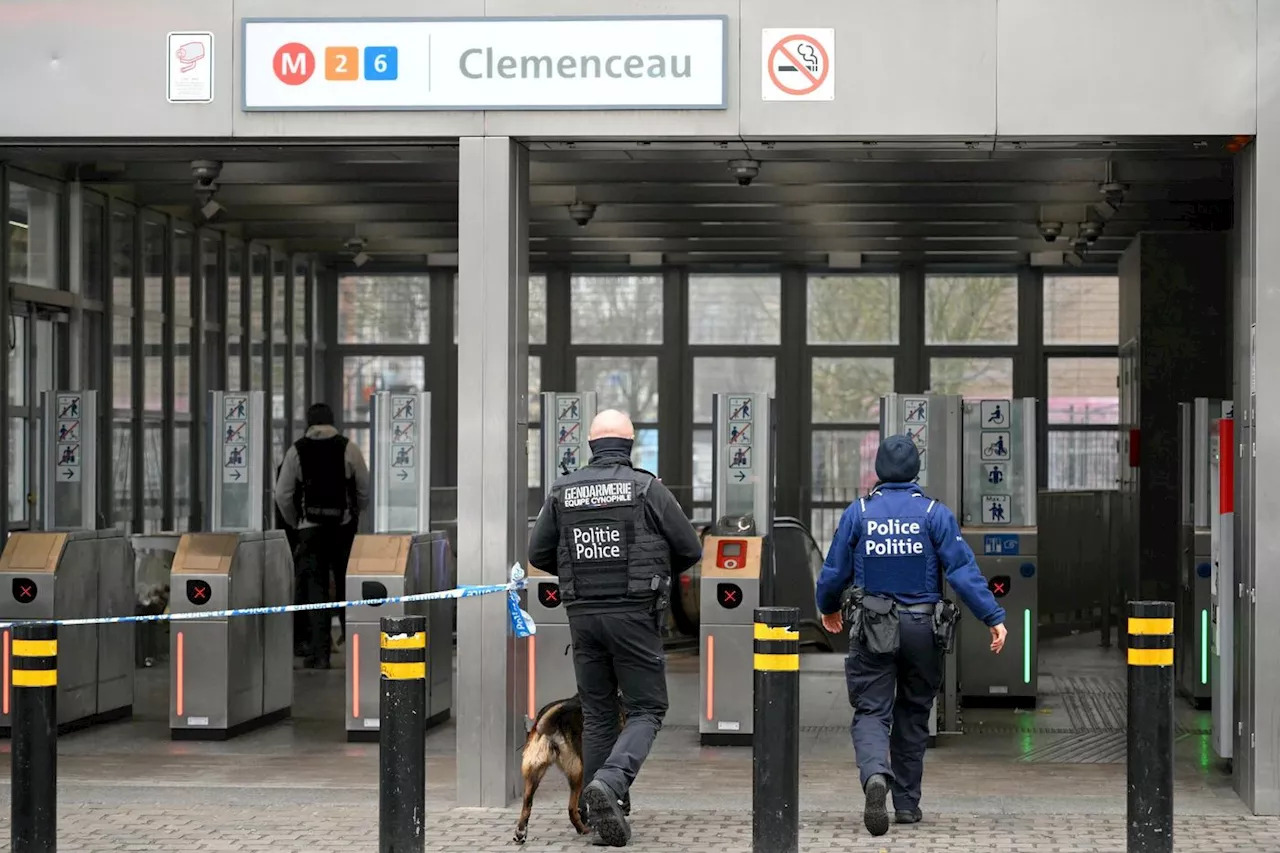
[797,561]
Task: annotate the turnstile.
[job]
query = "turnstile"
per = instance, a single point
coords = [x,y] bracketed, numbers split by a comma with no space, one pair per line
[74,575]
[551,672]
[732,568]
[998,521]
[228,675]
[1222,450]
[1193,633]
[389,565]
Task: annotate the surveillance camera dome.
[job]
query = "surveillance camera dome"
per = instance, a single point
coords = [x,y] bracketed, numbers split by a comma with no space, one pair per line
[206,171]
[1089,230]
[1112,191]
[744,171]
[581,212]
[1050,231]
[355,244]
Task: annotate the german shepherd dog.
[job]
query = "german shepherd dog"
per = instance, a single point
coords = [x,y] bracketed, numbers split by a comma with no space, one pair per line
[555,737]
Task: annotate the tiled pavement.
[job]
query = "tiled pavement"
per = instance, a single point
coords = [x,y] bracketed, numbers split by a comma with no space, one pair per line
[344,829]
[1044,781]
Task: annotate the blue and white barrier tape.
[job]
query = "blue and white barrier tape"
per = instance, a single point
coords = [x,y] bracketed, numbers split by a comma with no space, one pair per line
[521,622]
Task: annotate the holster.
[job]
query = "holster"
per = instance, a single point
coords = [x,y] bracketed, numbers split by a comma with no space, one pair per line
[945,617]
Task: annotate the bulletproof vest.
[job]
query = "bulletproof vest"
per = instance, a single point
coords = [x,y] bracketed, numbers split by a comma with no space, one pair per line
[608,551]
[894,553]
[325,491]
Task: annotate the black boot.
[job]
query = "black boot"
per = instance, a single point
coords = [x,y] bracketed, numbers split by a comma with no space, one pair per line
[874,814]
[604,815]
[907,816]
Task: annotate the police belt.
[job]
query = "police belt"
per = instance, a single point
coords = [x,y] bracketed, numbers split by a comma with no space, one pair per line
[926,608]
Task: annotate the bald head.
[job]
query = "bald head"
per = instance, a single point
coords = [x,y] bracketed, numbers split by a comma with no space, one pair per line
[611,423]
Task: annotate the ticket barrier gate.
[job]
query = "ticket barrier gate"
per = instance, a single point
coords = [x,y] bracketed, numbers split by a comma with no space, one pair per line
[551,673]
[386,566]
[74,574]
[1008,561]
[733,569]
[1192,653]
[229,675]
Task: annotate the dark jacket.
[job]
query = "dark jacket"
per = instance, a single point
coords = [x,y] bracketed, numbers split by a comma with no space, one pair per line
[663,517]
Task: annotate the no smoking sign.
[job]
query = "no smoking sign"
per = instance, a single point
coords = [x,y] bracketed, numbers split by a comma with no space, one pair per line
[798,65]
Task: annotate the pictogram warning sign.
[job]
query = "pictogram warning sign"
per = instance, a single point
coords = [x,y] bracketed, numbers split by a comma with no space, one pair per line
[798,65]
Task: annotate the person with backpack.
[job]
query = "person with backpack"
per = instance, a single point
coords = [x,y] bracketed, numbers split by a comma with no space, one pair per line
[322,488]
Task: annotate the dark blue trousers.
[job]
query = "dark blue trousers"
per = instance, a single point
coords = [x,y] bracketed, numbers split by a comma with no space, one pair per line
[891,697]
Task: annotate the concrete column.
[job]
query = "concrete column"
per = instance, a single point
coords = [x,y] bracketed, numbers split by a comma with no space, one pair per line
[1258,468]
[493,415]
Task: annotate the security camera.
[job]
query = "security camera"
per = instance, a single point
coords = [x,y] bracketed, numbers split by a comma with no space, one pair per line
[581,212]
[744,171]
[206,172]
[1089,230]
[1050,231]
[1113,192]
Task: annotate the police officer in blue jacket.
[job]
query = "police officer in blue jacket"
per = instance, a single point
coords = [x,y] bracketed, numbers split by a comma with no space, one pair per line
[882,569]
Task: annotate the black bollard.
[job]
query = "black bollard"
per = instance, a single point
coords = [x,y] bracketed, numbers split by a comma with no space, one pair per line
[402,735]
[775,754]
[1150,783]
[33,816]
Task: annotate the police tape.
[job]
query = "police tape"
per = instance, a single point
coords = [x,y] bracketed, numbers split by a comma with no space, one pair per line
[521,621]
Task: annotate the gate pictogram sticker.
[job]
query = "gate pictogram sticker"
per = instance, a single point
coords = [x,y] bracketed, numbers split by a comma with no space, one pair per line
[798,65]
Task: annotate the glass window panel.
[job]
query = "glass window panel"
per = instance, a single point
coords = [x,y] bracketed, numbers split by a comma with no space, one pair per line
[702,470]
[300,389]
[213,288]
[235,284]
[537,309]
[721,375]
[235,382]
[93,255]
[33,236]
[182,466]
[257,291]
[616,309]
[153,261]
[534,446]
[153,367]
[853,309]
[644,453]
[362,375]
[153,478]
[280,267]
[122,475]
[628,383]
[1083,459]
[823,522]
[182,369]
[18,361]
[301,268]
[277,446]
[182,275]
[735,309]
[971,309]
[971,377]
[1081,309]
[849,389]
[844,464]
[121,363]
[18,469]
[256,359]
[535,389]
[122,255]
[388,309]
[1084,391]
[278,356]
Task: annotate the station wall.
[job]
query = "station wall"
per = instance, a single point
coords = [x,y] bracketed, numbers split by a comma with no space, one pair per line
[964,69]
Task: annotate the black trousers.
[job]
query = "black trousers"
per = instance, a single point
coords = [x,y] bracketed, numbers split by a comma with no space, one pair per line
[618,653]
[322,554]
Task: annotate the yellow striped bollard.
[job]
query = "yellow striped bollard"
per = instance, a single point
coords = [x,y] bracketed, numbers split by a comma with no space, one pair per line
[775,754]
[34,767]
[402,736]
[1150,772]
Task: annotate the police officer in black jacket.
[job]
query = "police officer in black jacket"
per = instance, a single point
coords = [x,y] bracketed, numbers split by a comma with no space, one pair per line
[615,537]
